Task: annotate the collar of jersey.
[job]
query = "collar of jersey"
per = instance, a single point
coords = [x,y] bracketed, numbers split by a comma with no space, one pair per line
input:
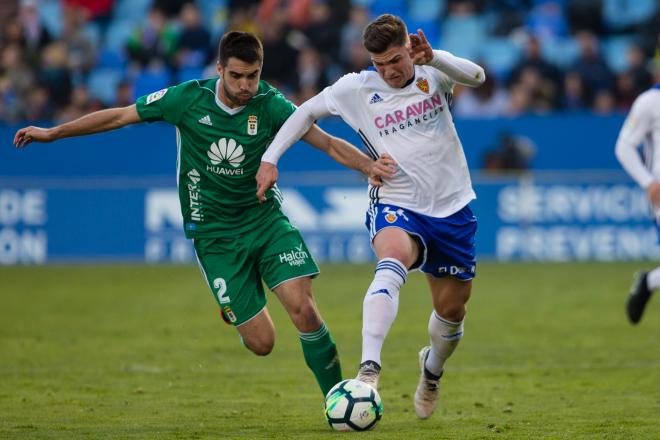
[222,105]
[408,83]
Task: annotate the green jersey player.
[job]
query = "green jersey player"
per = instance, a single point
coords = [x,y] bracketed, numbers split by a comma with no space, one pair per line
[224,125]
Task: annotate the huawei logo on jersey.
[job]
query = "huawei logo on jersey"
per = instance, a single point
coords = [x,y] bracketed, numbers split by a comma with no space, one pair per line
[423,85]
[226,151]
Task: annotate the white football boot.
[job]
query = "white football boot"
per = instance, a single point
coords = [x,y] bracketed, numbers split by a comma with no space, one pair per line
[426,395]
[369,373]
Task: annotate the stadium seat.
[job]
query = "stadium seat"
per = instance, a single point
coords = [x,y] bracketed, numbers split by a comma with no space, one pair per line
[562,52]
[500,55]
[150,80]
[463,36]
[102,84]
[110,59]
[425,10]
[619,14]
[132,11]
[396,7]
[92,32]
[117,35]
[50,14]
[615,52]
[189,73]
[214,14]
[431,29]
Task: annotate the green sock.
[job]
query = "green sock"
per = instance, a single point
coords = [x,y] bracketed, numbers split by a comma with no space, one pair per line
[321,357]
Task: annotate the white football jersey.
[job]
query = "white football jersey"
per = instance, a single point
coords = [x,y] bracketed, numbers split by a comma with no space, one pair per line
[414,126]
[643,126]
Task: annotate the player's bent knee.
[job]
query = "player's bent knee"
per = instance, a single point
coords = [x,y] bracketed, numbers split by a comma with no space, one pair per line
[262,350]
[260,347]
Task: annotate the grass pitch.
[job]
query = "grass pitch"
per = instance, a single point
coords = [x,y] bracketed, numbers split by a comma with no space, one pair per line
[139,352]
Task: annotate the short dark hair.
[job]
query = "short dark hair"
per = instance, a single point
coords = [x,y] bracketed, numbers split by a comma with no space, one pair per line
[242,45]
[385,31]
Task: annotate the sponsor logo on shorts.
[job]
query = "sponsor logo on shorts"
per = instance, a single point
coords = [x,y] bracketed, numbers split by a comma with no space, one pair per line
[229,313]
[296,257]
[455,270]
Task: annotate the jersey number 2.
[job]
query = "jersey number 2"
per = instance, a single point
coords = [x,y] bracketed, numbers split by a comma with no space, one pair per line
[221,286]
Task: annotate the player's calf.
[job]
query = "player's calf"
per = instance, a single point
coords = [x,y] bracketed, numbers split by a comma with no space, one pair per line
[258,333]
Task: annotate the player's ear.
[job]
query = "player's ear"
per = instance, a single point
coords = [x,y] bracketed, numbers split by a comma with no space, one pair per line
[218,68]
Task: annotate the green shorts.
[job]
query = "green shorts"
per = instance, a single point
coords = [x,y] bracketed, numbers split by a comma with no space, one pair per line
[234,266]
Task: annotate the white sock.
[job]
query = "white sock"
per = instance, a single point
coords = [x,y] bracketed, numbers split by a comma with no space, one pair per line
[445,336]
[653,279]
[380,306]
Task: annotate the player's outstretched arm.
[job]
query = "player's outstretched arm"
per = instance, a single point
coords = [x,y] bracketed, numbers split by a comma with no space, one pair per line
[350,156]
[293,129]
[338,149]
[96,122]
[459,69]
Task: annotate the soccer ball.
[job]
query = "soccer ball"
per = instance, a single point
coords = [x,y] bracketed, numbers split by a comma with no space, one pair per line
[352,405]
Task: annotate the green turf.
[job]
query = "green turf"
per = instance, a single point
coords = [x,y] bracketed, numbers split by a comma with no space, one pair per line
[139,352]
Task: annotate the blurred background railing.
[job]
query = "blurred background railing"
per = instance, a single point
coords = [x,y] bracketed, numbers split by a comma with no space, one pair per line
[60,59]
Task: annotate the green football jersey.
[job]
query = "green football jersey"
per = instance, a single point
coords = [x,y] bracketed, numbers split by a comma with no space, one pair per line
[219,153]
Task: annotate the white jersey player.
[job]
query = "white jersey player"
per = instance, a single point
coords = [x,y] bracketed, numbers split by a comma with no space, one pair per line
[642,126]
[419,219]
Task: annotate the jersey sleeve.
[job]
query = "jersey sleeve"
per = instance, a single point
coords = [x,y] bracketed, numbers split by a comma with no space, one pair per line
[163,105]
[280,108]
[340,95]
[456,70]
[446,83]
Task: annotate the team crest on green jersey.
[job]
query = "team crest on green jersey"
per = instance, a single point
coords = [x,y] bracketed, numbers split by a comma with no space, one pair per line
[252,125]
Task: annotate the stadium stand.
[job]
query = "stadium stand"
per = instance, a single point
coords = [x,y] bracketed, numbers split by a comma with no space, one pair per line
[542,55]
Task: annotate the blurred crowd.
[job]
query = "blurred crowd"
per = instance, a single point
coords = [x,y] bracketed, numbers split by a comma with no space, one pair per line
[60,59]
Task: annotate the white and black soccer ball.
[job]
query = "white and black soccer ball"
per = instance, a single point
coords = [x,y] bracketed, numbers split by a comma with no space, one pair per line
[353,405]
